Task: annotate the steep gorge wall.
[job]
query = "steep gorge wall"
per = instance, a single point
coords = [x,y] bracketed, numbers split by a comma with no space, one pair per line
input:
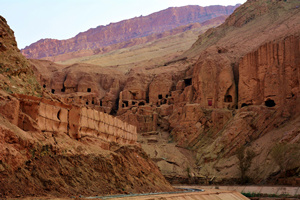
[270,75]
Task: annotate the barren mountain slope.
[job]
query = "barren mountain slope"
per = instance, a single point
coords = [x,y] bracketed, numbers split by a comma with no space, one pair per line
[98,38]
[145,52]
[16,74]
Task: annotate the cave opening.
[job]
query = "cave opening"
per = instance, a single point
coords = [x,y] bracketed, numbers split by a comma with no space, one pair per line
[87,103]
[245,105]
[100,102]
[270,103]
[125,103]
[58,115]
[160,96]
[115,107]
[188,81]
[44,86]
[228,98]
[141,103]
[89,90]
[133,103]
[53,91]
[63,89]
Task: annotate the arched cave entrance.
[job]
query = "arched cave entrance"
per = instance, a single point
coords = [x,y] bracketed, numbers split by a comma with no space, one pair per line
[89,90]
[270,103]
[53,91]
[141,104]
[228,98]
[44,86]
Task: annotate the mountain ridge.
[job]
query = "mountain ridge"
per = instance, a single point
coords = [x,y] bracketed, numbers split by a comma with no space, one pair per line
[137,27]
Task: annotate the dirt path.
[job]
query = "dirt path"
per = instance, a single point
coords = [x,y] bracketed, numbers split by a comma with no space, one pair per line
[278,190]
[210,194]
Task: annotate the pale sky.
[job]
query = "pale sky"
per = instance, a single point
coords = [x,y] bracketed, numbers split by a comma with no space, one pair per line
[32,20]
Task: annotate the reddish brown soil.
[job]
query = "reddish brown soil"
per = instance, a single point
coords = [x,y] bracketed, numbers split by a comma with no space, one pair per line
[127,170]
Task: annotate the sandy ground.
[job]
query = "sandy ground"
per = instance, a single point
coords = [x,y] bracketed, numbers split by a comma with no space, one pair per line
[210,194]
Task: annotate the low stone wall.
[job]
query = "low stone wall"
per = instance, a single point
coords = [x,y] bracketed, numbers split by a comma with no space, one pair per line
[78,122]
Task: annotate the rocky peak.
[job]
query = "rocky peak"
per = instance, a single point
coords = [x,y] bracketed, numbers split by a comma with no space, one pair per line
[16,74]
[256,8]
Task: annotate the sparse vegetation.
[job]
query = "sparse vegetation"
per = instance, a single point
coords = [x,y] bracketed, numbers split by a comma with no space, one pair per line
[188,170]
[252,194]
[286,156]
[245,160]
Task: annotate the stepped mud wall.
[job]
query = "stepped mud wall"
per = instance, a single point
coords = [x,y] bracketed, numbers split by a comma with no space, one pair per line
[74,121]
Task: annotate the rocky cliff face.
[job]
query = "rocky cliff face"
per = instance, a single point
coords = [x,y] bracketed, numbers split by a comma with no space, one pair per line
[16,74]
[96,39]
[51,148]
[275,80]
[236,90]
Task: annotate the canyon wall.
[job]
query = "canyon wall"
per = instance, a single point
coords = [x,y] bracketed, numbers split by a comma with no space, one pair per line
[270,75]
[43,154]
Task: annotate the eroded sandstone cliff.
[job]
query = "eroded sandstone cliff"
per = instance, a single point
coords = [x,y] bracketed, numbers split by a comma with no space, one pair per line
[236,90]
[48,147]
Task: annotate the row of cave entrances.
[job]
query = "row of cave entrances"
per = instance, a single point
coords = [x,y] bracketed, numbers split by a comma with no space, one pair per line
[269,103]
[93,103]
[88,90]
[163,100]
[227,98]
[64,89]
[126,103]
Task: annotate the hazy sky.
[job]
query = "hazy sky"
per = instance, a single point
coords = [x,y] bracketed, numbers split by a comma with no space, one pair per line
[32,20]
